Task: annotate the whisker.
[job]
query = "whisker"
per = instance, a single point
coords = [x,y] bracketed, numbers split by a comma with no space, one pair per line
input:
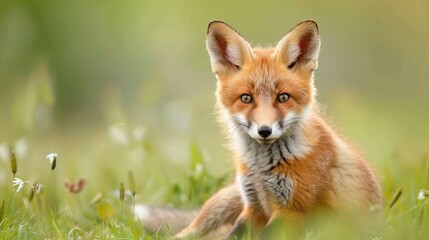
[237,124]
[290,122]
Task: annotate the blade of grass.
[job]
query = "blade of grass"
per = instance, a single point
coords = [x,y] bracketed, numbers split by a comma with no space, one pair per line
[395,198]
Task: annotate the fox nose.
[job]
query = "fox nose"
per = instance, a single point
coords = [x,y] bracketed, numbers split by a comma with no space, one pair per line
[264,131]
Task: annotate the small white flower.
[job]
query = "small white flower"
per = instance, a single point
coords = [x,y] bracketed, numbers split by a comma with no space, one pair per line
[38,187]
[18,182]
[51,157]
[421,196]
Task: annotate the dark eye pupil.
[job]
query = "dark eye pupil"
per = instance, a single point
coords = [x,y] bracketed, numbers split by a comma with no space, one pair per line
[246,98]
[283,97]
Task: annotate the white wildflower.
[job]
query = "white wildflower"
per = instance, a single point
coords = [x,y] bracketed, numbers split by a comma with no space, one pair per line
[38,187]
[52,159]
[18,182]
[423,194]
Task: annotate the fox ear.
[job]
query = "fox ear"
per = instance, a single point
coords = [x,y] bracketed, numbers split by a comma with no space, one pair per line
[300,47]
[227,49]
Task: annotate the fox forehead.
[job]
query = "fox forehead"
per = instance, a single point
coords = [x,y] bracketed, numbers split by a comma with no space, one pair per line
[264,78]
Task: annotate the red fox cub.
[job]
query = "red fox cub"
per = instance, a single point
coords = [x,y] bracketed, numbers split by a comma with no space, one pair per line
[288,160]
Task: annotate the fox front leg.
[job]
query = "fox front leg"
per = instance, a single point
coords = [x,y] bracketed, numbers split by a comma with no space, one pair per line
[240,229]
[217,215]
[250,221]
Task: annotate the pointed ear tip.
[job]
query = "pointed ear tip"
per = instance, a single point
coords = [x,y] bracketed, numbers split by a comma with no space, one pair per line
[213,23]
[311,22]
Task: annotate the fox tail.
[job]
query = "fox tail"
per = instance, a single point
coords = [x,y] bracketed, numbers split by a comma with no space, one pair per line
[165,220]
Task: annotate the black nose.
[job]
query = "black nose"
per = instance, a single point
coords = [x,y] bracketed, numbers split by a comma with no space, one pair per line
[264,131]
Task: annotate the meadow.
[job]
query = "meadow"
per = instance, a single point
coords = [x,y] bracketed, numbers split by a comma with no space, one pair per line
[123,93]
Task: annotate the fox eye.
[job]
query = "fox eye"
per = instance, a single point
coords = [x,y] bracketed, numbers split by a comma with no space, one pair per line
[246,98]
[282,98]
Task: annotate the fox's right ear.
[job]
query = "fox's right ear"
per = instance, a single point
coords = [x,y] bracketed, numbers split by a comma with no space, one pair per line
[300,47]
[227,49]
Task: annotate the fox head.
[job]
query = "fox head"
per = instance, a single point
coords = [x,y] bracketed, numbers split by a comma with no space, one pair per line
[264,92]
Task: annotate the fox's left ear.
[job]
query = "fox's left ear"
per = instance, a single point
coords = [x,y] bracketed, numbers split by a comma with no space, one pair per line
[228,51]
[300,47]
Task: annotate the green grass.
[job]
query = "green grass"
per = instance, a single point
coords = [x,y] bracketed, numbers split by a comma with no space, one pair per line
[96,211]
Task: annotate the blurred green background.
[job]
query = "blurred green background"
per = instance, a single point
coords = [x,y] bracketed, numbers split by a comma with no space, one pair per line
[118,85]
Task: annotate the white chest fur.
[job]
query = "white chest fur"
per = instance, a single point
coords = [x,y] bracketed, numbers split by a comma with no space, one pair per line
[261,182]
